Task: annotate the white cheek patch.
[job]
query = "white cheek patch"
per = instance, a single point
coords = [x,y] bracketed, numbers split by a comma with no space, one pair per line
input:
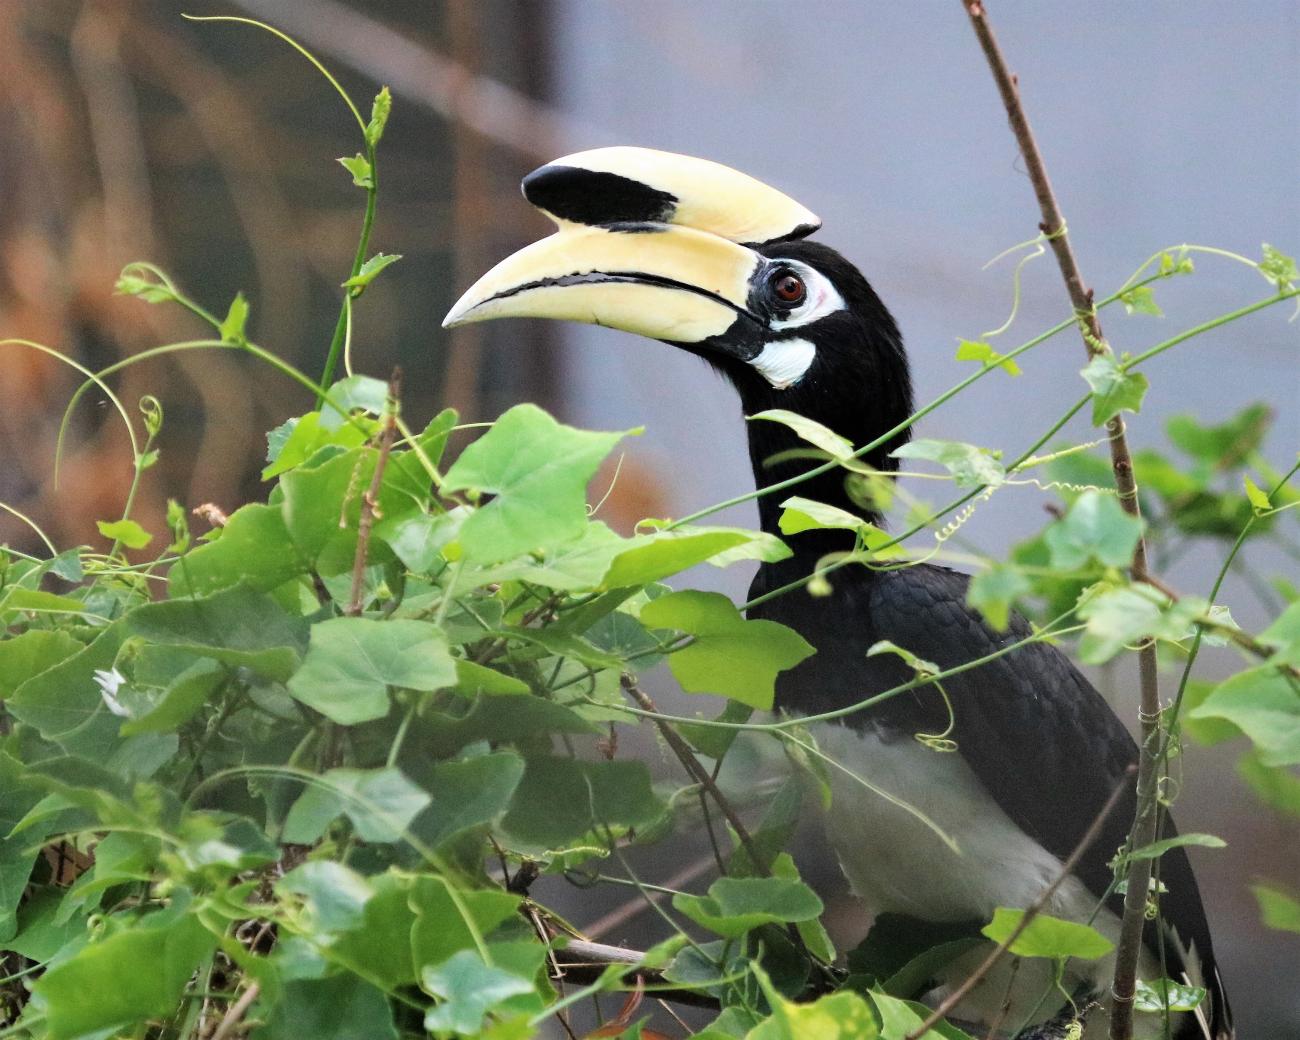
[783,362]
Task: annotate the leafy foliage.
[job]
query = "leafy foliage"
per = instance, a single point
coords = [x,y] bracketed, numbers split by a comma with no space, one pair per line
[306,765]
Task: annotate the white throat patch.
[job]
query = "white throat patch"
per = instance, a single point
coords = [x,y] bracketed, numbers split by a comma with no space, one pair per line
[783,362]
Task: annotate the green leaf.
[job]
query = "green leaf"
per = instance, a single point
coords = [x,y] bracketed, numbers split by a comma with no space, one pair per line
[352,662]
[322,503]
[654,557]
[335,895]
[839,1016]
[813,432]
[359,166]
[380,803]
[900,1018]
[561,800]
[30,653]
[735,906]
[466,795]
[511,717]
[65,704]
[18,599]
[473,679]
[381,939]
[128,532]
[354,394]
[254,548]
[1176,263]
[715,741]
[1258,498]
[1124,615]
[1047,936]
[919,665]
[1225,445]
[132,975]
[1095,528]
[1167,995]
[1262,703]
[1276,786]
[969,465]
[538,470]
[340,1007]
[370,271]
[1277,909]
[1158,848]
[580,563]
[237,626]
[1283,635]
[308,435]
[1279,268]
[1113,389]
[140,280]
[729,656]
[468,990]
[182,697]
[978,350]
[440,929]
[994,591]
[1141,299]
[803,514]
[235,321]
[380,109]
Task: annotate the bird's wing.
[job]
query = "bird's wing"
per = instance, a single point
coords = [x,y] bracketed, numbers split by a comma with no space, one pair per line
[1036,733]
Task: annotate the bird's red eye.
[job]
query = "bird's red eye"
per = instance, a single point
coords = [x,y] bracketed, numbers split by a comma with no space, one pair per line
[788,287]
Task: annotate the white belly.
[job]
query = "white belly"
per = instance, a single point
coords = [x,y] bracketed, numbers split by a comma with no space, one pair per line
[896,862]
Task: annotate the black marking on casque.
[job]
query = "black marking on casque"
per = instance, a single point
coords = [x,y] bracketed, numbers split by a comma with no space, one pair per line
[632,277]
[800,231]
[597,197]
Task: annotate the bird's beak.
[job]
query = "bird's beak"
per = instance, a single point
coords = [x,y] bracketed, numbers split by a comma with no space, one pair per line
[649,242]
[659,281]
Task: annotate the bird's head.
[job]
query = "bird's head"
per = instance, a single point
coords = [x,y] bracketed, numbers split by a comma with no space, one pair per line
[709,260]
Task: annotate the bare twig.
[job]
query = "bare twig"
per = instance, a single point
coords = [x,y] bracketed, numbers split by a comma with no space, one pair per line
[1033,910]
[1145,822]
[583,961]
[639,903]
[1005,1009]
[370,500]
[693,766]
[236,1012]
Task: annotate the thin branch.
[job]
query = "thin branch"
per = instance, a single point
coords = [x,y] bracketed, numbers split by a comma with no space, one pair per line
[370,500]
[1033,910]
[236,1013]
[582,961]
[626,911]
[693,766]
[1145,821]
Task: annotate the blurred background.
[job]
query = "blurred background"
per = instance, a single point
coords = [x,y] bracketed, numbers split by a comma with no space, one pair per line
[129,134]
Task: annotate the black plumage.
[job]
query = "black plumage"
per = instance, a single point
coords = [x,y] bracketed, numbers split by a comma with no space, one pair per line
[1036,733]
[794,326]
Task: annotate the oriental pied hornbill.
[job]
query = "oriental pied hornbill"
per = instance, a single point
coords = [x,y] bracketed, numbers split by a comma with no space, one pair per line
[709,260]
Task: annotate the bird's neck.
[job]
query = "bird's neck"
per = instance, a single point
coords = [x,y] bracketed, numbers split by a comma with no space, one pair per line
[777,454]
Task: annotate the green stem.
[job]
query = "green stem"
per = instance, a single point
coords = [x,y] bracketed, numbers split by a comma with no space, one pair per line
[921,525]
[884,438]
[1206,326]
[359,258]
[1050,632]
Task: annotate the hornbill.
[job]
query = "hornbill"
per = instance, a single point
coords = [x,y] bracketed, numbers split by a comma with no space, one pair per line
[709,260]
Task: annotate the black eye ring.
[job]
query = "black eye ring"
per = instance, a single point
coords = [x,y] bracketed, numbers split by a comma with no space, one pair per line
[786,288]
